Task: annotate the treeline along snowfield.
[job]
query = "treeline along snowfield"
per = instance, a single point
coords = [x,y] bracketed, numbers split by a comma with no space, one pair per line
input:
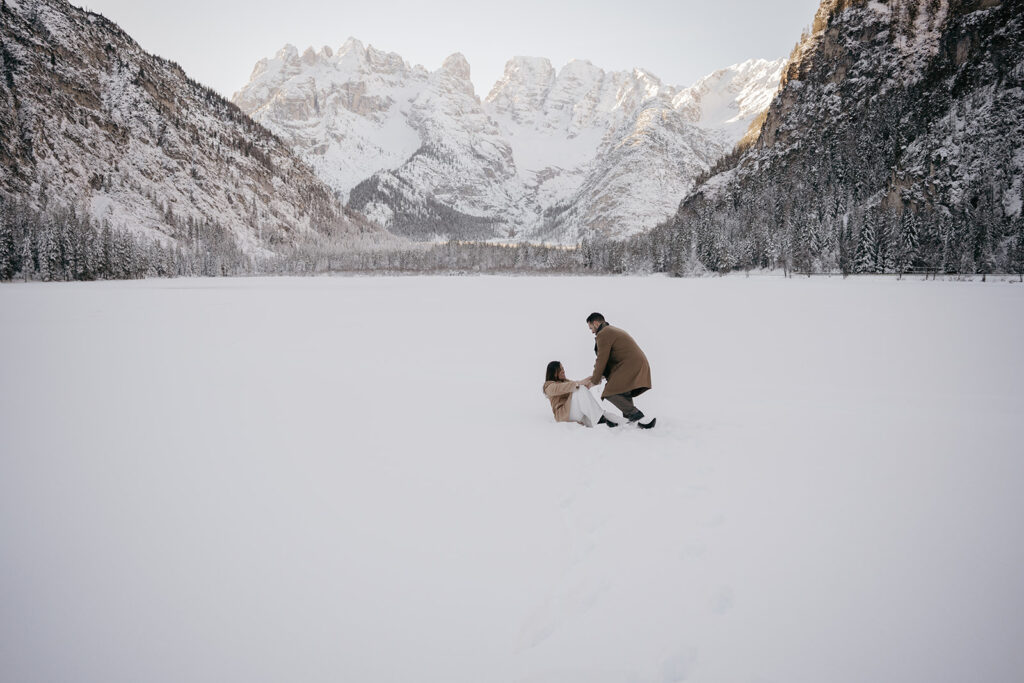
[65,244]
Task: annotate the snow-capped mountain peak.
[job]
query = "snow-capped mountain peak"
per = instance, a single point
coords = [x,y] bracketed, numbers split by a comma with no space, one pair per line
[547,154]
[522,88]
[457,67]
[728,99]
[651,83]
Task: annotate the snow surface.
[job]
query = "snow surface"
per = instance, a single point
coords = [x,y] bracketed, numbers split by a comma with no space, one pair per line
[358,479]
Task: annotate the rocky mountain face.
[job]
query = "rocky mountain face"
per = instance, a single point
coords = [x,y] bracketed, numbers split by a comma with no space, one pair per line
[603,153]
[546,155]
[896,141]
[412,149]
[90,121]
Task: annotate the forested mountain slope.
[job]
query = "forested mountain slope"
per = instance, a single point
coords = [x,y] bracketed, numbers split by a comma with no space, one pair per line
[896,141]
[96,132]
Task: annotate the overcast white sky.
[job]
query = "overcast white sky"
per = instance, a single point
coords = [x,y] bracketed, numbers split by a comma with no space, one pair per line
[218,42]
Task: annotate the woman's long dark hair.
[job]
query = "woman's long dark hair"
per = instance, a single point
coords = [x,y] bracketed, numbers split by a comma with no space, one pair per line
[552,373]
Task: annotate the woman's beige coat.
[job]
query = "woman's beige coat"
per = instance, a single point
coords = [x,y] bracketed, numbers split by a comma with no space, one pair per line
[560,395]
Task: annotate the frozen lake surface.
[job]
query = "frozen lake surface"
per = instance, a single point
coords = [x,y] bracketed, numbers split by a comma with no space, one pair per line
[359,479]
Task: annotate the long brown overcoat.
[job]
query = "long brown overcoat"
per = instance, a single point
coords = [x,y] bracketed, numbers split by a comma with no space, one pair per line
[621,361]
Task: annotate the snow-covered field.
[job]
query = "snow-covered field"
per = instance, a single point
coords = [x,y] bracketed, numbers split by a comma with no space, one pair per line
[358,479]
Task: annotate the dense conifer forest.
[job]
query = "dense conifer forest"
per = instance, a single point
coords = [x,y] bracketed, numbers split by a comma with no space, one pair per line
[65,244]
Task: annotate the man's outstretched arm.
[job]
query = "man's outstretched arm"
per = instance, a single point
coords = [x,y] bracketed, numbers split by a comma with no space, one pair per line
[604,350]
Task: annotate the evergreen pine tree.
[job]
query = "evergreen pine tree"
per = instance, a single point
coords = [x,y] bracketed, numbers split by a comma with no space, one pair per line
[829,257]
[907,242]
[89,258]
[866,258]
[66,243]
[124,260]
[947,240]
[984,257]
[930,243]
[106,253]
[28,267]
[847,246]
[47,255]
[8,250]
[801,247]
[887,243]
[1017,253]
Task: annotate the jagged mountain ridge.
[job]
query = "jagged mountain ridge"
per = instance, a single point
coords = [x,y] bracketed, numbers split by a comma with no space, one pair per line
[90,120]
[547,154]
[606,151]
[359,114]
[896,141]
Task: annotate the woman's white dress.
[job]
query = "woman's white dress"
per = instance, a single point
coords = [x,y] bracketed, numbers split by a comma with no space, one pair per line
[583,407]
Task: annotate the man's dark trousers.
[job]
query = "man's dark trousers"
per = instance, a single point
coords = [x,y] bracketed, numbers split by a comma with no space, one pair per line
[624,402]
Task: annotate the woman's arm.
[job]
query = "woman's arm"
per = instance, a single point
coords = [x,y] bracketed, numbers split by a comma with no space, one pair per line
[559,388]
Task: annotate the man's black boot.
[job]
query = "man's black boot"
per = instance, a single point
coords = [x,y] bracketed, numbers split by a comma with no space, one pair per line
[605,421]
[634,416]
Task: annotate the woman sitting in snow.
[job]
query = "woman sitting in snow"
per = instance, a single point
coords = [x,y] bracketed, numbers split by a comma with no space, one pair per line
[572,401]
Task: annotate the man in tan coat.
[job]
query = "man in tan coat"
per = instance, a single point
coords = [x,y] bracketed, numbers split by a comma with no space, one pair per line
[621,361]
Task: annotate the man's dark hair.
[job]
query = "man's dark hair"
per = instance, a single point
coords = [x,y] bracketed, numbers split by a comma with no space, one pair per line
[595,316]
[552,372]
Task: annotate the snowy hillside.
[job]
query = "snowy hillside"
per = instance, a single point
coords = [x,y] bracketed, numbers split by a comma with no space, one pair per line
[358,479]
[548,154]
[91,122]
